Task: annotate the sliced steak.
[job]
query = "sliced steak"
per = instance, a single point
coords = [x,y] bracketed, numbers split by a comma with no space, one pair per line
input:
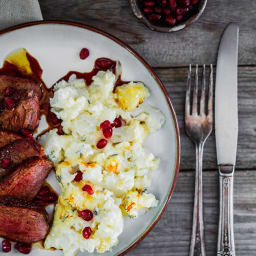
[19,83]
[25,114]
[22,222]
[26,180]
[7,137]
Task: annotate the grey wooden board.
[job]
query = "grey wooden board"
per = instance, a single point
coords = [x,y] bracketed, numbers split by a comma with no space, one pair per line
[196,44]
[171,236]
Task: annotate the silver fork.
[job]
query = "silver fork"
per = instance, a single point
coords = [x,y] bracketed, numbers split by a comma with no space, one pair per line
[198,127]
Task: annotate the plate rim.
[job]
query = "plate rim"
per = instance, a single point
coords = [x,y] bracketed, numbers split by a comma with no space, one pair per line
[158,82]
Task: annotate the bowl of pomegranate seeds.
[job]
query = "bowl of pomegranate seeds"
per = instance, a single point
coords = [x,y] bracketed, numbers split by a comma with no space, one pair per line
[168,15]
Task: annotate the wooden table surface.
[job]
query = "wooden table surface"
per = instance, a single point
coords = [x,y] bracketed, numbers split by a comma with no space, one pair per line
[170,54]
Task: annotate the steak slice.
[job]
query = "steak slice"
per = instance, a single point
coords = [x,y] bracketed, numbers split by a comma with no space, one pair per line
[7,137]
[24,115]
[22,222]
[26,180]
[19,83]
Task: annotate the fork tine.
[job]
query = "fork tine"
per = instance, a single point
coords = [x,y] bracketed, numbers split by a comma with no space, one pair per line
[202,99]
[187,103]
[195,93]
[210,100]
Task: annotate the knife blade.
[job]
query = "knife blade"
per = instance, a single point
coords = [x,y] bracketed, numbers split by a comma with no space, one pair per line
[226,131]
[226,109]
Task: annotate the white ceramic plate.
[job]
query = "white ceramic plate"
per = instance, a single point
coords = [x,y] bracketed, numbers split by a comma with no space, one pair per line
[56,46]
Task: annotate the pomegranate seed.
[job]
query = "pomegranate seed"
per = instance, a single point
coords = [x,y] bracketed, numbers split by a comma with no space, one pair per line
[179,18]
[54,118]
[158,10]
[79,176]
[86,215]
[184,2]
[84,53]
[44,191]
[9,103]
[102,143]
[182,11]
[26,132]
[60,130]
[164,2]
[9,91]
[173,5]
[88,189]
[87,232]
[104,63]
[5,162]
[194,1]
[147,10]
[191,7]
[149,3]
[108,133]
[154,17]
[104,125]
[23,247]
[167,11]
[117,122]
[170,20]
[6,246]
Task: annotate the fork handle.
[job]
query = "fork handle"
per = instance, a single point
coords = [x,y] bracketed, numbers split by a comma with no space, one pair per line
[197,245]
[226,244]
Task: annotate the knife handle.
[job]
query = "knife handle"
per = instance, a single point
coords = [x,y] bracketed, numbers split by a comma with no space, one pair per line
[226,243]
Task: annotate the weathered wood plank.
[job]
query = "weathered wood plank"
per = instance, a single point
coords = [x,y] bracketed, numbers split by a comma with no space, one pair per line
[196,44]
[171,236]
[175,81]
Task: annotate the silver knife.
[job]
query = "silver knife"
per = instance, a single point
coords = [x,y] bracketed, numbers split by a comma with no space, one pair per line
[226,131]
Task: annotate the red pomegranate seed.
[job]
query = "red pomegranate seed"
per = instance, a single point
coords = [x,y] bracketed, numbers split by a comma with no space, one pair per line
[108,133]
[44,191]
[182,11]
[9,91]
[184,2]
[84,53]
[27,132]
[167,11]
[117,122]
[60,130]
[86,215]
[104,63]
[158,10]
[23,247]
[149,3]
[9,103]
[88,189]
[173,5]
[104,125]
[164,2]
[194,1]
[5,162]
[147,10]
[170,20]
[6,246]
[179,18]
[87,232]
[102,143]
[79,176]
[154,17]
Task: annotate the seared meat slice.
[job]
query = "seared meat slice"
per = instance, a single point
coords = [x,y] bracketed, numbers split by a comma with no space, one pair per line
[18,151]
[26,180]
[7,137]
[25,113]
[19,83]
[22,222]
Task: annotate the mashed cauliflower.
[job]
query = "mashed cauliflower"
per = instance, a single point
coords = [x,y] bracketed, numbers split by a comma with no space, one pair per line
[118,174]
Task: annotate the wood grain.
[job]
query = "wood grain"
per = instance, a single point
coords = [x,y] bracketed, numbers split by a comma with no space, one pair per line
[171,236]
[196,44]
